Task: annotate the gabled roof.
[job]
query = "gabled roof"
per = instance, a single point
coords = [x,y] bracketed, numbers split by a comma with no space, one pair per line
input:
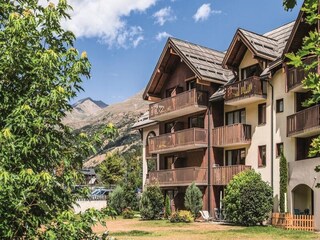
[204,62]
[268,46]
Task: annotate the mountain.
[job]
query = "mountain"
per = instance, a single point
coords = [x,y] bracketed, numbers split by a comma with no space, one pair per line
[99,103]
[88,117]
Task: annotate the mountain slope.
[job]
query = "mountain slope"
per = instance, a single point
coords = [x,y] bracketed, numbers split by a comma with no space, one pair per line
[123,115]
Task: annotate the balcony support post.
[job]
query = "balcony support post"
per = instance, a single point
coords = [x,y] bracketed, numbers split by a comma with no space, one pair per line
[209,159]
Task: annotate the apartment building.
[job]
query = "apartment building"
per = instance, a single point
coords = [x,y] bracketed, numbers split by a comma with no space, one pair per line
[214,114]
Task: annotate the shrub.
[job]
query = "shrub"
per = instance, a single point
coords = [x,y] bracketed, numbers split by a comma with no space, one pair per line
[109,211]
[193,199]
[167,212]
[117,200]
[128,213]
[283,181]
[181,216]
[248,199]
[151,204]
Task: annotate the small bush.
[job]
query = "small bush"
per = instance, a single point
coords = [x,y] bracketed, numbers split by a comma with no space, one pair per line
[167,212]
[127,213]
[109,211]
[116,200]
[181,216]
[248,199]
[151,204]
[193,199]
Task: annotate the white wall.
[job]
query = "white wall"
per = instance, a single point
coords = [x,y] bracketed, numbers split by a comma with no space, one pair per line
[82,206]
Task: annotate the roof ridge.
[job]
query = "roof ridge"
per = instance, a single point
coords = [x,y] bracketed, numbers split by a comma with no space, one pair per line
[258,34]
[195,44]
[283,25]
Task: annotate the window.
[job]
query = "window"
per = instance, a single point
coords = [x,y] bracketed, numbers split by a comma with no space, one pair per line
[169,127]
[236,157]
[234,117]
[169,162]
[279,149]
[250,71]
[191,85]
[279,105]
[196,122]
[262,113]
[262,159]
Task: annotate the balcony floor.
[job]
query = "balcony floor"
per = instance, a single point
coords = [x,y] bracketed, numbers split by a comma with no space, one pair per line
[245,100]
[306,133]
[179,148]
[179,112]
[236,144]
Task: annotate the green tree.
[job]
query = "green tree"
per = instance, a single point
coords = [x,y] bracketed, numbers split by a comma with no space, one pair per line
[310,47]
[283,181]
[248,199]
[151,204]
[40,72]
[112,170]
[117,199]
[193,199]
[167,212]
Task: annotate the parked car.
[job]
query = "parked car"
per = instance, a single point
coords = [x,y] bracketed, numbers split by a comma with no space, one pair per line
[100,193]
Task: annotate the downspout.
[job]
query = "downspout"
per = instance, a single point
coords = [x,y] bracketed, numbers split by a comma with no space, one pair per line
[209,158]
[272,100]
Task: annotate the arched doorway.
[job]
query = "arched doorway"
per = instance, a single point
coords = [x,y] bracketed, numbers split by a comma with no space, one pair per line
[152,159]
[303,200]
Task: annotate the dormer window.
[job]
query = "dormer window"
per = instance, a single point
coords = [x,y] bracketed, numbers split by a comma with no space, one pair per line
[253,70]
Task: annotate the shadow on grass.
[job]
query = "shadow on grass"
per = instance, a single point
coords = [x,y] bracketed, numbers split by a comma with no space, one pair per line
[136,233]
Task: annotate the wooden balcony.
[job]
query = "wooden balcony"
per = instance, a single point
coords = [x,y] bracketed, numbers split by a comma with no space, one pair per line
[179,176]
[246,91]
[231,135]
[149,155]
[223,175]
[304,123]
[295,77]
[188,102]
[187,139]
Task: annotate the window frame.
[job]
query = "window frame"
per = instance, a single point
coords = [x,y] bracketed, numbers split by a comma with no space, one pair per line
[198,118]
[278,104]
[262,114]
[233,116]
[262,162]
[278,147]
[238,151]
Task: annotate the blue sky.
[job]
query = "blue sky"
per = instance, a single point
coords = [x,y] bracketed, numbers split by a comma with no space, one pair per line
[120,35]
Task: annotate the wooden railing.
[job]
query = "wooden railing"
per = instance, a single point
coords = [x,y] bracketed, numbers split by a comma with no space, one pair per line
[180,101]
[223,175]
[293,222]
[231,134]
[179,176]
[303,120]
[296,75]
[245,88]
[190,136]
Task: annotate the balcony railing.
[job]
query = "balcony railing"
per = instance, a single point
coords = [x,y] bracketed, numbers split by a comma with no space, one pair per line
[181,140]
[190,99]
[223,175]
[296,75]
[303,121]
[252,86]
[179,176]
[230,135]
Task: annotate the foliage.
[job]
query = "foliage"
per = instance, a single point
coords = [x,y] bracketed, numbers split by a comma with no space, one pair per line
[283,181]
[193,199]
[167,211]
[116,199]
[151,204]
[289,4]
[248,199]
[127,213]
[181,216]
[310,47]
[109,211]
[40,72]
[112,170]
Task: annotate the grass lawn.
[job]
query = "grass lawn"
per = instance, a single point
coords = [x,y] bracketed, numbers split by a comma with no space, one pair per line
[130,229]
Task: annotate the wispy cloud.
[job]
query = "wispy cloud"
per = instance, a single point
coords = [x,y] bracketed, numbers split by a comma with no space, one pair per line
[106,20]
[162,35]
[204,12]
[164,15]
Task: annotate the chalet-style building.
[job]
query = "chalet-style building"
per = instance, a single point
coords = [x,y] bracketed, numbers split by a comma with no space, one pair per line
[214,114]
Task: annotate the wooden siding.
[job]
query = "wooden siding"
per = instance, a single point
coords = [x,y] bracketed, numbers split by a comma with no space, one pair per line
[231,135]
[304,120]
[178,102]
[223,175]
[186,137]
[251,86]
[179,176]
